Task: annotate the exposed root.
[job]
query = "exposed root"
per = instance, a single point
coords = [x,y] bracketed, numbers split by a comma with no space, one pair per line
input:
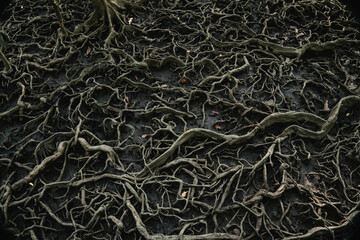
[179,120]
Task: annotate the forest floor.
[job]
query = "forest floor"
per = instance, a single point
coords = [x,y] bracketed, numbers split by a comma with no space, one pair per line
[179,119]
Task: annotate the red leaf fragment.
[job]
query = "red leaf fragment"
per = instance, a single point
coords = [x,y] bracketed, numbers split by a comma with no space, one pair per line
[127,99]
[215,112]
[183,80]
[217,127]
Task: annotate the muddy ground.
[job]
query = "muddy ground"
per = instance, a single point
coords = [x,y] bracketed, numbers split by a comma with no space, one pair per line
[179,119]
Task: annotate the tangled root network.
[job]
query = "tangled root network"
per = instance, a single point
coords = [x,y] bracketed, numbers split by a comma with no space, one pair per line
[179,119]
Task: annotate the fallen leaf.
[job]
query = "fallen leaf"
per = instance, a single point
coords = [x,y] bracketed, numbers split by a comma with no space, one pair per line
[169,99]
[215,112]
[269,102]
[348,114]
[136,78]
[164,85]
[217,127]
[31,184]
[128,100]
[144,136]
[88,51]
[183,80]
[183,194]
[131,20]
[307,182]
[326,106]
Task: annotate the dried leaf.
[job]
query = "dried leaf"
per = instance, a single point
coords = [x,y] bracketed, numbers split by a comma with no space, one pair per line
[131,20]
[144,136]
[136,78]
[128,100]
[347,114]
[31,184]
[164,85]
[183,194]
[270,102]
[217,127]
[88,51]
[183,80]
[169,99]
[215,112]
[307,182]
[326,106]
